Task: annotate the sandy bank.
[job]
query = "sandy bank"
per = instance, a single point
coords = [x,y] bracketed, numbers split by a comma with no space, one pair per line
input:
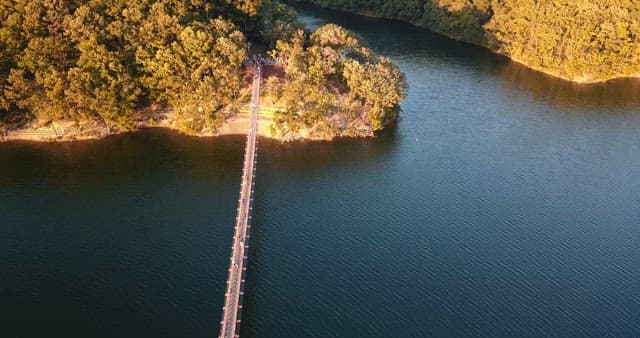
[70,131]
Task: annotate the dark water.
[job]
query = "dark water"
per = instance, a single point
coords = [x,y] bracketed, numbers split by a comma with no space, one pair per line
[505,203]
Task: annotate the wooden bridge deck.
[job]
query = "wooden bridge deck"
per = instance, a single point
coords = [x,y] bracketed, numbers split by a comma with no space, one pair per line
[230,324]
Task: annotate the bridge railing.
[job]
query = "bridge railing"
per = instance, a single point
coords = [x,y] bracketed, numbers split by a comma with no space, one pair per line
[232,310]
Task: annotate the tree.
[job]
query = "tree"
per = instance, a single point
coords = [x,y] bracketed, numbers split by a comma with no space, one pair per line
[331,73]
[578,40]
[198,73]
[380,86]
[273,89]
[101,86]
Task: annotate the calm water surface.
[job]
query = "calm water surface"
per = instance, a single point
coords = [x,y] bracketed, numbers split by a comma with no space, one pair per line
[505,203]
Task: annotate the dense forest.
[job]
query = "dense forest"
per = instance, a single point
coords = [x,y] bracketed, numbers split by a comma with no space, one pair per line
[333,85]
[579,40]
[108,59]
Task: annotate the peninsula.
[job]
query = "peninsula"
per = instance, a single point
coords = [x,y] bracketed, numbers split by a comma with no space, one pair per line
[85,69]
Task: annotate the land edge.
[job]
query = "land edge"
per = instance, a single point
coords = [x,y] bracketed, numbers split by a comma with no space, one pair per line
[235,125]
[160,116]
[550,72]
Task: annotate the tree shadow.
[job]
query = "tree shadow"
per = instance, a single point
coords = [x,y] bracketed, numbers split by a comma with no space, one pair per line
[613,96]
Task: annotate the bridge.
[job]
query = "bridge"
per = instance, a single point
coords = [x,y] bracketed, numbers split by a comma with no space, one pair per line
[230,324]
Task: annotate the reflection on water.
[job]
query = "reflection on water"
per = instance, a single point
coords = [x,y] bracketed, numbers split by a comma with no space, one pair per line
[613,96]
[309,158]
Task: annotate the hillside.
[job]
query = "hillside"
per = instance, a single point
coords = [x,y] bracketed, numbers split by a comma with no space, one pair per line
[582,41]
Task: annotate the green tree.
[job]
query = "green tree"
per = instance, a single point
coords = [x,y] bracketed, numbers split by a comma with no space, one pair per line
[199,73]
[331,73]
[581,40]
[380,86]
[101,86]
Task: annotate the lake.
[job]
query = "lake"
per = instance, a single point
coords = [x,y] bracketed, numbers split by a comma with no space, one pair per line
[504,203]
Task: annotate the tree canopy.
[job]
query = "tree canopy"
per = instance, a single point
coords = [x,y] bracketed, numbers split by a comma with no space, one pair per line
[332,79]
[580,40]
[108,59]
[105,58]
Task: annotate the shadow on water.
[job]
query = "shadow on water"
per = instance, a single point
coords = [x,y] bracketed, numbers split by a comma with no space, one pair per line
[416,49]
[308,158]
[126,158]
[612,96]
[139,155]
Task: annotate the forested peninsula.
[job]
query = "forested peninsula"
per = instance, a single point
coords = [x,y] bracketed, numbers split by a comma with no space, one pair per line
[75,69]
[578,40]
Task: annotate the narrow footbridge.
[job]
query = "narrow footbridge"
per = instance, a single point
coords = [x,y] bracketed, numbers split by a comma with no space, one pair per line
[230,324]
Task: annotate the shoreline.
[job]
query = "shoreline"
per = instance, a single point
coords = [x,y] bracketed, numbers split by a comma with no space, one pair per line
[159,116]
[549,72]
[63,140]
[236,125]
